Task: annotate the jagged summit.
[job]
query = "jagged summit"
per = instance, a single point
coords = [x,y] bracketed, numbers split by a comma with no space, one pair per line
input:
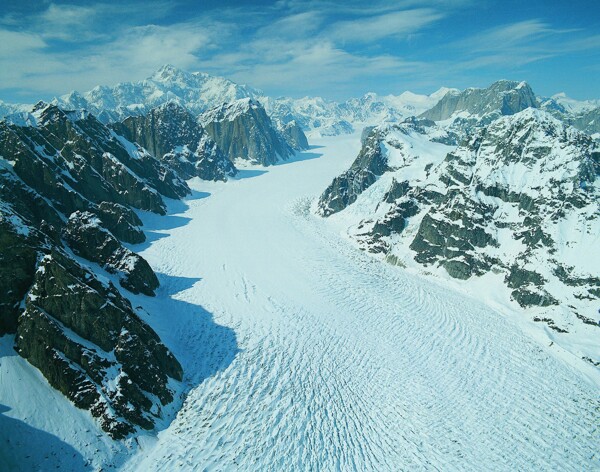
[230,111]
[173,135]
[196,91]
[244,131]
[504,97]
[170,73]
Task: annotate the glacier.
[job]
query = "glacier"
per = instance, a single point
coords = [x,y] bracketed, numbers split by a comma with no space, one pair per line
[303,352]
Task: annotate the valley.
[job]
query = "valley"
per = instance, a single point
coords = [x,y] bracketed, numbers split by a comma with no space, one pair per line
[327,358]
[214,291]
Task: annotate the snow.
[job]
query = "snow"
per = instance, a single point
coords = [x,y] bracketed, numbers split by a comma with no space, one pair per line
[40,429]
[7,215]
[405,146]
[575,106]
[303,353]
[574,234]
[229,111]
[341,361]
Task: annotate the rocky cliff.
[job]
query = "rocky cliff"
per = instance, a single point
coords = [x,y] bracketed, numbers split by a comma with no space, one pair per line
[68,187]
[173,135]
[504,97]
[243,131]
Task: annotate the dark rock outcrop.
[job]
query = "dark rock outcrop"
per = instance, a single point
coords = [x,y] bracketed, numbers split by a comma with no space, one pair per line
[364,171]
[78,331]
[243,130]
[121,221]
[87,341]
[173,135]
[89,239]
[504,97]
[293,134]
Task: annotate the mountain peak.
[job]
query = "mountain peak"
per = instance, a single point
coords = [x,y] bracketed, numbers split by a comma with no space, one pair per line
[231,110]
[170,73]
[505,97]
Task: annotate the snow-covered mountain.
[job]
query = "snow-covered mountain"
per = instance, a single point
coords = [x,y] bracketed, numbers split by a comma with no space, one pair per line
[565,104]
[583,114]
[198,92]
[320,117]
[292,344]
[195,91]
[316,116]
[515,205]
[102,296]
[11,109]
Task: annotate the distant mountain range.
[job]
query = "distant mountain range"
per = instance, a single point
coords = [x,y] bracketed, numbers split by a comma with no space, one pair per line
[199,92]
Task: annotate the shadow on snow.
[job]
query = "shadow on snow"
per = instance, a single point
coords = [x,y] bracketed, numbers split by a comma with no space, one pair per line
[156,226]
[202,346]
[300,156]
[23,447]
[248,173]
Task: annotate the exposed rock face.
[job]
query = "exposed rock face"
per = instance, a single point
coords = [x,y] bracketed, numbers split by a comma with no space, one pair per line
[88,343]
[504,97]
[518,198]
[18,255]
[294,135]
[162,129]
[378,147]
[90,239]
[78,331]
[173,135]
[121,221]
[344,190]
[588,121]
[74,160]
[243,130]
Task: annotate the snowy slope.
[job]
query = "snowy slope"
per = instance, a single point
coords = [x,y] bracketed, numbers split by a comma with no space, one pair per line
[40,429]
[564,103]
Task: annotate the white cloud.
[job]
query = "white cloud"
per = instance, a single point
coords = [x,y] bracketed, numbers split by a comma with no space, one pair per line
[15,43]
[522,33]
[375,28]
[517,44]
[133,55]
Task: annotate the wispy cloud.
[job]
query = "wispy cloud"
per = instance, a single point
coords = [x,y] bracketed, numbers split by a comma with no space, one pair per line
[523,33]
[375,28]
[131,53]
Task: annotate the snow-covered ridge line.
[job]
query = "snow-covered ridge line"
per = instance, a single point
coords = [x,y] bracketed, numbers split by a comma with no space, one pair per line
[199,92]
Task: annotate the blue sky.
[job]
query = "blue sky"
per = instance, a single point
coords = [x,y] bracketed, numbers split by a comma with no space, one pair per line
[297,48]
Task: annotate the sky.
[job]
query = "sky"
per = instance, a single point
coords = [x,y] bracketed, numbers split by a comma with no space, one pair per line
[333,49]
